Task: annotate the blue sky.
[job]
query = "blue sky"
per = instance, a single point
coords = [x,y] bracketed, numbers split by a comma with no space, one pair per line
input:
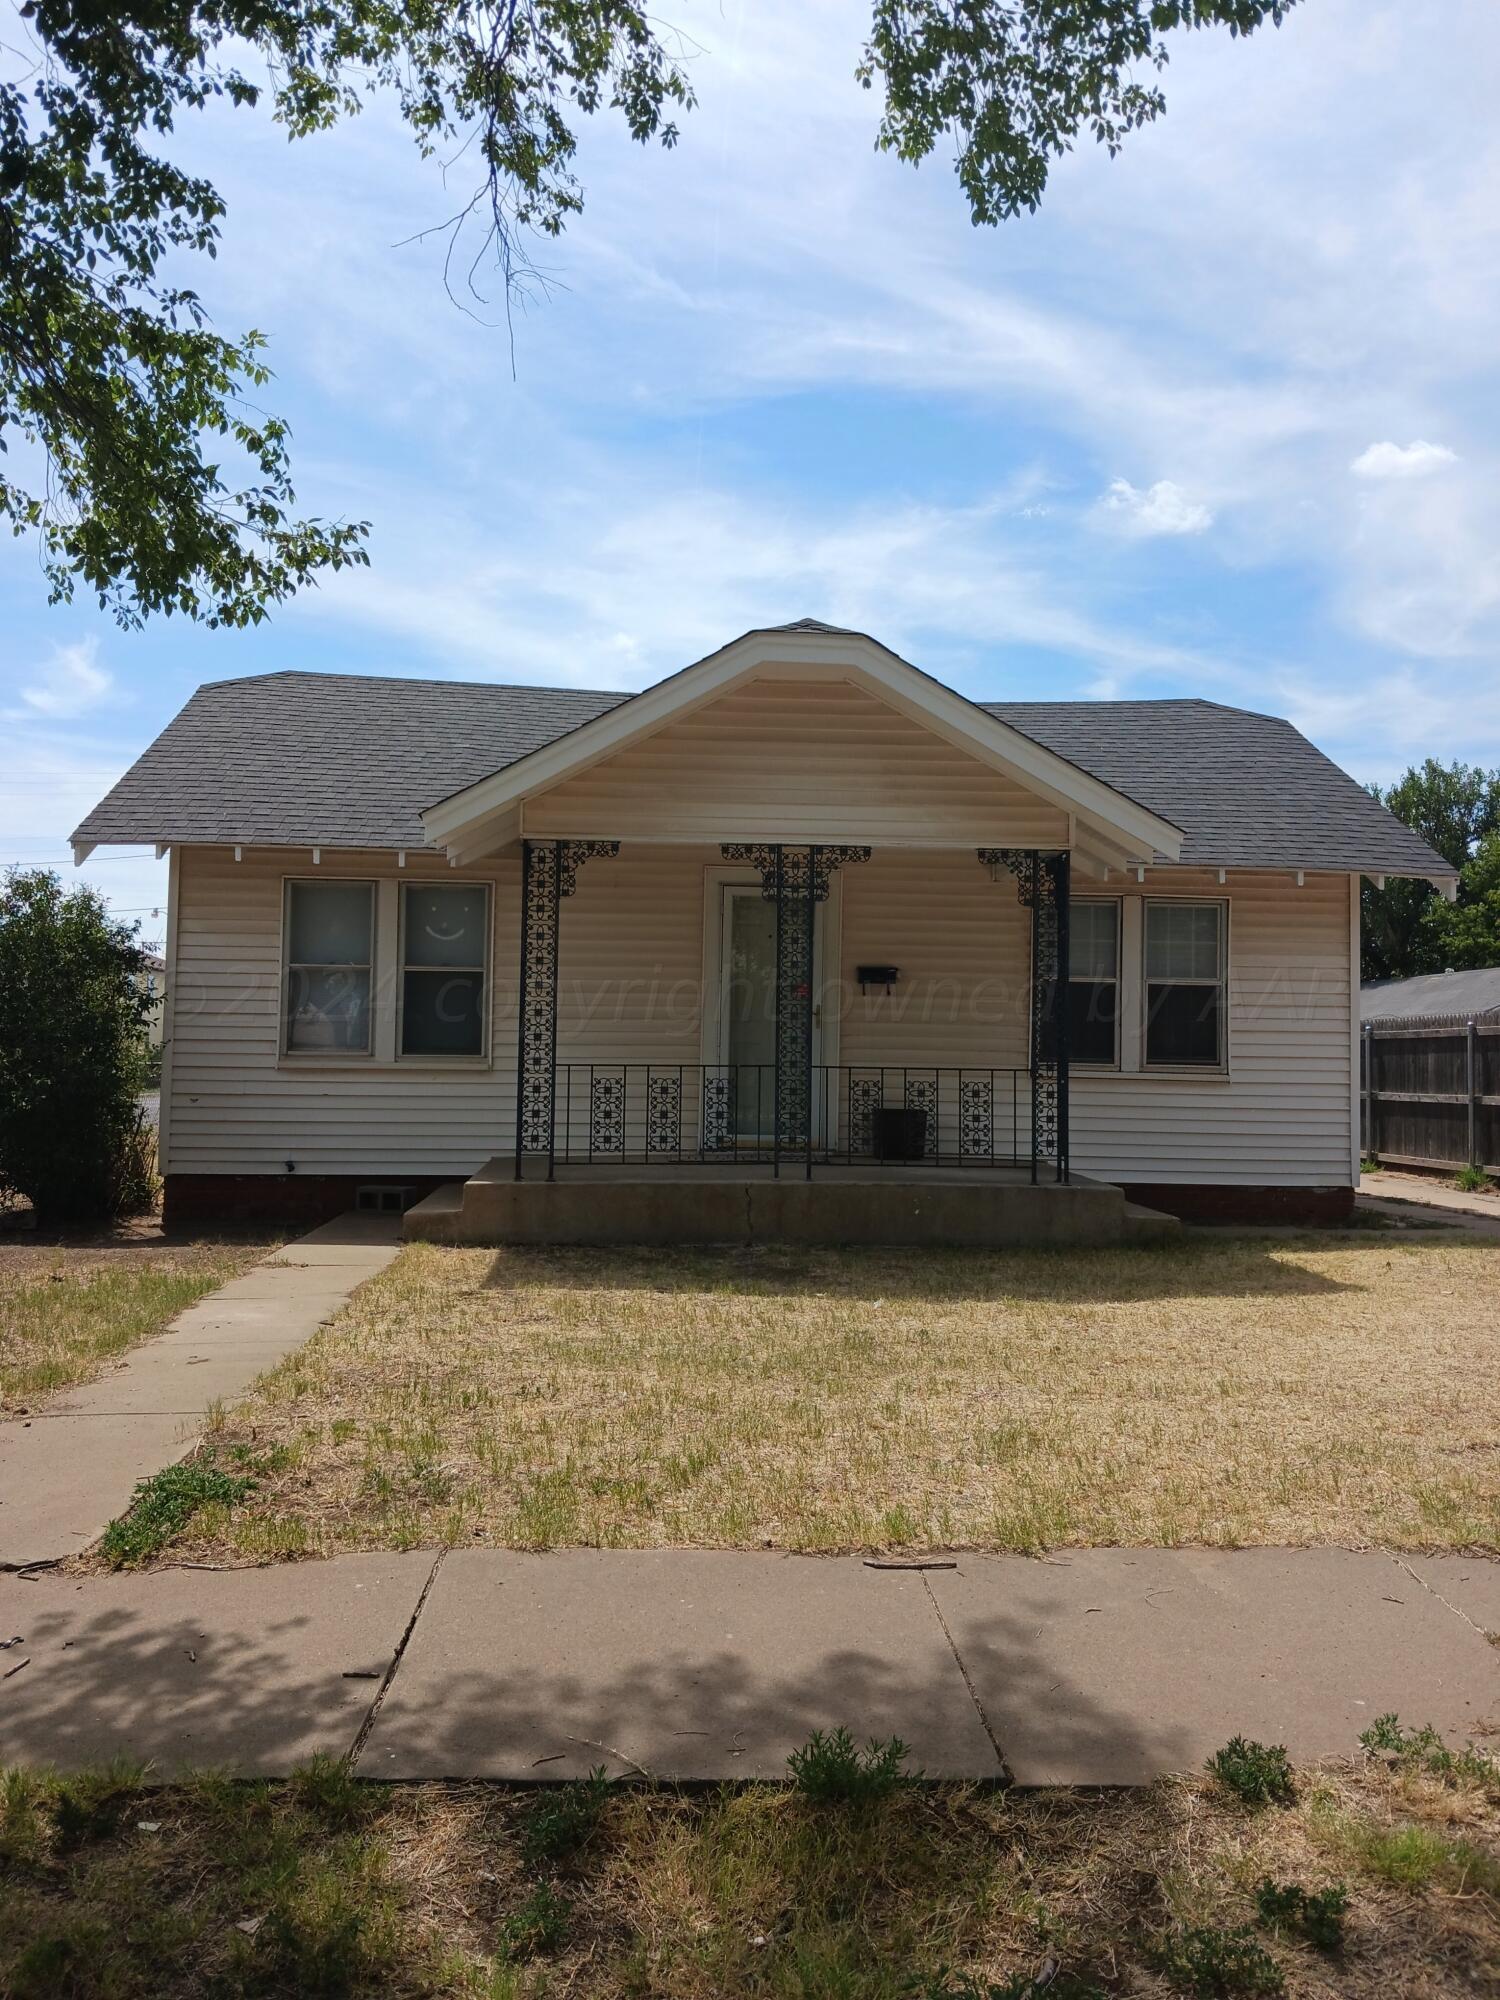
[1221,420]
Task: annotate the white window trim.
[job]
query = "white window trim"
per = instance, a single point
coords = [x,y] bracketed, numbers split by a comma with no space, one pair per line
[1111,1067]
[1213,1071]
[338,1057]
[468,1059]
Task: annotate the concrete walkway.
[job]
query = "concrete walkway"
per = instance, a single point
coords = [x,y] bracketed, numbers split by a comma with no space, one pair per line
[1421,1198]
[66,1472]
[1104,1666]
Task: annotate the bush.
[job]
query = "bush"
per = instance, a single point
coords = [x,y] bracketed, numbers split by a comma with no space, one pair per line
[1258,1774]
[831,1770]
[73,1052]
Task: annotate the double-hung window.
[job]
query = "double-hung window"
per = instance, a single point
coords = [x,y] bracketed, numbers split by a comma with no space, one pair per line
[1186,1015]
[444,952]
[330,948]
[1094,982]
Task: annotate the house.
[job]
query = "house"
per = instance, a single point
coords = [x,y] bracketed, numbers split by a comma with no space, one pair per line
[799,942]
[1456,996]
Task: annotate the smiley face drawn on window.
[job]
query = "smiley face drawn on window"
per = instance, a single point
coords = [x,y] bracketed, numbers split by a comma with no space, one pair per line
[438,931]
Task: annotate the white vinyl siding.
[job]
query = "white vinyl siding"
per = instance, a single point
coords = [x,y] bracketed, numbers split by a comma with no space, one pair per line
[630,981]
[788,760]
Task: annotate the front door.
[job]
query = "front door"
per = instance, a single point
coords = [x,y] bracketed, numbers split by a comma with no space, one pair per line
[747,1010]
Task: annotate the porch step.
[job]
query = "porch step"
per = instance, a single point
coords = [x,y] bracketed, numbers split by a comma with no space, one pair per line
[436,1218]
[972,1209]
[1149,1225]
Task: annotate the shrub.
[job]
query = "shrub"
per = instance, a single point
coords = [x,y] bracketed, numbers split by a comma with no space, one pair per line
[73,1052]
[1258,1774]
[560,1822]
[1209,1961]
[1319,1916]
[163,1505]
[831,1770]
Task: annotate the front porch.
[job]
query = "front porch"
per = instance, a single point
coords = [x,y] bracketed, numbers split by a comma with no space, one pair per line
[845,1202]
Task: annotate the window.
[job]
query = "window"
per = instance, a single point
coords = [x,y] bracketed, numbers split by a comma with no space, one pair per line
[1184,968]
[1094,983]
[444,933]
[330,929]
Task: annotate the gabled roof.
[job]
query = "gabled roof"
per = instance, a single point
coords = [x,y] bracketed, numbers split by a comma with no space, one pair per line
[350,760]
[1116,824]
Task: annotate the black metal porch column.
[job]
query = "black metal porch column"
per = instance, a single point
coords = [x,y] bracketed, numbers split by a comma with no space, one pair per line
[549,871]
[796,879]
[1043,885]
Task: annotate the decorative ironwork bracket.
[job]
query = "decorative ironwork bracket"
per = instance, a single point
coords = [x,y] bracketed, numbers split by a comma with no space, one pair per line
[819,861]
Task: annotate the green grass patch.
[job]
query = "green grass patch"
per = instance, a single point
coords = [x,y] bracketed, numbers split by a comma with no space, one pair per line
[163,1505]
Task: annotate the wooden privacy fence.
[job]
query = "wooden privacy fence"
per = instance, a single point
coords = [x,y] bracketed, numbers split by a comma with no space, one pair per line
[1430,1092]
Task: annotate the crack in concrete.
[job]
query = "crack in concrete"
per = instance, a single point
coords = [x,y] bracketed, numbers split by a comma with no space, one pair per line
[1457,1609]
[402,1643]
[1007,1776]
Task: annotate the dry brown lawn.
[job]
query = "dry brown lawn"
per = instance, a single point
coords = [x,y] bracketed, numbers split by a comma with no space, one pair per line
[71,1305]
[1341,1389]
[329,1885]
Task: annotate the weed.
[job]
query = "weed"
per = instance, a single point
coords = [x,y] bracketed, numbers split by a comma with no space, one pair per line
[163,1505]
[1050,1982]
[538,1924]
[1258,1774]
[333,1933]
[1426,1750]
[830,1769]
[1472,1180]
[1208,1961]
[563,1821]
[1319,1917]
[326,1787]
[1369,1165]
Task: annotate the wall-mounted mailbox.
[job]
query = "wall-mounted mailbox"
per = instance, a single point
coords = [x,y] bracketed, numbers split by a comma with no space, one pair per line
[876,975]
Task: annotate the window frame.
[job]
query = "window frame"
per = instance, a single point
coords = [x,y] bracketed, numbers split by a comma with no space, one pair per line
[290,883]
[1220,983]
[446,1059]
[1075,1061]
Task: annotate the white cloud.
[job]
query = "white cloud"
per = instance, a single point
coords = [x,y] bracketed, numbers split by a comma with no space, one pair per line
[1162,509]
[1402,461]
[67,686]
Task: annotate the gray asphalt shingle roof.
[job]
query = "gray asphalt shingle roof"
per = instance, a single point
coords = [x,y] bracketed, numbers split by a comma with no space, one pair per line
[1471,993]
[348,760]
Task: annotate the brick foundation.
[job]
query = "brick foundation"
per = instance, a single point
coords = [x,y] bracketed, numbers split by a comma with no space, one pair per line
[1323,1207]
[191,1200]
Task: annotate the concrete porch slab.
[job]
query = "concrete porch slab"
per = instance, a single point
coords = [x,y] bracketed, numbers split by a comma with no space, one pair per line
[688,1663]
[250,1671]
[977,1208]
[1110,1666]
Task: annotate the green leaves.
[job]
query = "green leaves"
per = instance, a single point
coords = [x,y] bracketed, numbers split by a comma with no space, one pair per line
[112,381]
[1013,85]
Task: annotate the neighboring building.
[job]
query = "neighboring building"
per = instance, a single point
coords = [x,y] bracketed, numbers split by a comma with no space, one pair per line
[774,917]
[1468,996]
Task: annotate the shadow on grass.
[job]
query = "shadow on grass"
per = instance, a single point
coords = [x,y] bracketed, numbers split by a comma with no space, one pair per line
[1190,1267]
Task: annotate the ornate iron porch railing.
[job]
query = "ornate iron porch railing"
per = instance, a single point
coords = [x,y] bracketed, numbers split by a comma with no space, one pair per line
[899,1115]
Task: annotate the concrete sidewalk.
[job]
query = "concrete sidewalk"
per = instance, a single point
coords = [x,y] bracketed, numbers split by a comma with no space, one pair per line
[1105,1666]
[1423,1198]
[66,1472]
